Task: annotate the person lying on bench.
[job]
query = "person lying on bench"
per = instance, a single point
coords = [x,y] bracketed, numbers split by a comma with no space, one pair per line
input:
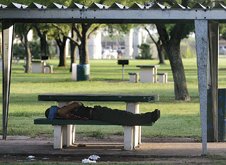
[76,110]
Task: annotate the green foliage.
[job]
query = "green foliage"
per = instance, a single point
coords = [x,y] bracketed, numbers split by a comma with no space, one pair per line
[27,2]
[18,50]
[187,48]
[118,29]
[145,51]
[58,31]
[186,52]
[223,30]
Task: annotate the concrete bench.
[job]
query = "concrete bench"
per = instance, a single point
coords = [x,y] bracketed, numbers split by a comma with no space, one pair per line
[162,77]
[133,77]
[64,130]
[48,68]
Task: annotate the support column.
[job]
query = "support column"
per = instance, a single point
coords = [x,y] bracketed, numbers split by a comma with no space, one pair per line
[213,76]
[202,49]
[7,43]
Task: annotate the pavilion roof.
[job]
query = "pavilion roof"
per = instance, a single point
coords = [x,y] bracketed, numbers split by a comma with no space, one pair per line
[116,13]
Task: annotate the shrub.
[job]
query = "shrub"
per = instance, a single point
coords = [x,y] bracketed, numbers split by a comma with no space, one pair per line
[145,51]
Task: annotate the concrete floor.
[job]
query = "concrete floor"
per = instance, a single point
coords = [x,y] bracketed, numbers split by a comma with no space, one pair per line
[29,146]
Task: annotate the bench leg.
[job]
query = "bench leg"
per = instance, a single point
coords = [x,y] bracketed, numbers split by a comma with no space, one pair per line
[128,138]
[68,131]
[132,135]
[68,135]
[73,133]
[137,136]
[155,75]
[58,137]
[63,136]
[163,78]
[166,78]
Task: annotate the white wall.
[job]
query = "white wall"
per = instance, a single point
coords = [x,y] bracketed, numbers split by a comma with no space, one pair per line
[94,45]
[137,41]
[129,45]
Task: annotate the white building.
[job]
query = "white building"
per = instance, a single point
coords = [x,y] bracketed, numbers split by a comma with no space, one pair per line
[129,46]
[94,45]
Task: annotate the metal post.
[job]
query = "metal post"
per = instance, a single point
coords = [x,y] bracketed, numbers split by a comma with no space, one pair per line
[7,42]
[122,72]
[202,48]
[213,70]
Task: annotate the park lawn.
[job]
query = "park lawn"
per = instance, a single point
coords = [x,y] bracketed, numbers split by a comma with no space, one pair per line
[178,118]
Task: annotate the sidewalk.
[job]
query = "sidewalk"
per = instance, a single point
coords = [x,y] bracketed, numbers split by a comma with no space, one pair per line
[29,146]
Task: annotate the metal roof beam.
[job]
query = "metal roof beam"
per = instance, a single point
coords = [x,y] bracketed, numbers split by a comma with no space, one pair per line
[63,15]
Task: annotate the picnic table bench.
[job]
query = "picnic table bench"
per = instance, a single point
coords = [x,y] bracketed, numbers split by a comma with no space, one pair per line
[64,130]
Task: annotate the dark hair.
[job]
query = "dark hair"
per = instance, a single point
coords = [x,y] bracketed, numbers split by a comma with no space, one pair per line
[47,112]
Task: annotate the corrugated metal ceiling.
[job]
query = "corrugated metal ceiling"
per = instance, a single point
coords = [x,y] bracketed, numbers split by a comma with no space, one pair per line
[115,13]
[151,6]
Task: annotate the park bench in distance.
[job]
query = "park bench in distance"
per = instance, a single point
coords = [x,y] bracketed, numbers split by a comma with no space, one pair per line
[64,130]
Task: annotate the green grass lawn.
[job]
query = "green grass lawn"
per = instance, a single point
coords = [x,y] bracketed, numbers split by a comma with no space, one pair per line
[178,119]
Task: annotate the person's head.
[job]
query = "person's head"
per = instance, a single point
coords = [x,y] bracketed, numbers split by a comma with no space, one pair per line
[47,112]
[51,112]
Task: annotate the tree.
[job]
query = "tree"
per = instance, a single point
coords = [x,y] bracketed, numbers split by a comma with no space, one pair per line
[72,47]
[171,42]
[22,31]
[222,30]
[171,36]
[84,30]
[59,32]
[42,30]
[157,43]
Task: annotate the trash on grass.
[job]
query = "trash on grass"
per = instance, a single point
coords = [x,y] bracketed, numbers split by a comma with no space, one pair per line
[88,161]
[94,157]
[91,159]
[45,158]
[30,157]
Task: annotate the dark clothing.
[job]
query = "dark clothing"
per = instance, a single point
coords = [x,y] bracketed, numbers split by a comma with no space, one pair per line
[113,116]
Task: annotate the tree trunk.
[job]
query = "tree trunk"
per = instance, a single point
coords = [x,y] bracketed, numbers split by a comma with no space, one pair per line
[62,55]
[159,47]
[180,85]
[73,49]
[160,52]
[44,45]
[171,43]
[83,53]
[43,41]
[28,55]
[73,54]
[62,60]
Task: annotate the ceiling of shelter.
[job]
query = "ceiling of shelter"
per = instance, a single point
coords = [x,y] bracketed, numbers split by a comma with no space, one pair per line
[116,13]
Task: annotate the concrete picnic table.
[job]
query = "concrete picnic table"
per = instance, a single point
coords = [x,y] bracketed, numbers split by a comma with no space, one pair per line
[148,73]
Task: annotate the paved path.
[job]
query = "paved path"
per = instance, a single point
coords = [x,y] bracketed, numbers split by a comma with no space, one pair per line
[30,146]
